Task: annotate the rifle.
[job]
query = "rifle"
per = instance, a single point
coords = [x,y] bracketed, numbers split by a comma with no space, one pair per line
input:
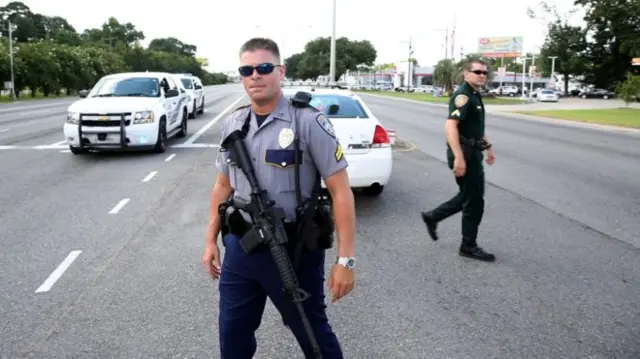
[268,228]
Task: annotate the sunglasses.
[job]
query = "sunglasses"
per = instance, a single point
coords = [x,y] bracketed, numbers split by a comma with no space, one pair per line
[262,69]
[480,72]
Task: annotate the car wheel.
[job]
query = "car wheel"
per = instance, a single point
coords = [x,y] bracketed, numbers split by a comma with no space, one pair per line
[76,150]
[194,114]
[373,190]
[161,143]
[183,126]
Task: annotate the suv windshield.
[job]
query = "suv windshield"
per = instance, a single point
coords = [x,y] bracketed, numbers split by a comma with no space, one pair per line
[133,86]
[186,82]
[348,106]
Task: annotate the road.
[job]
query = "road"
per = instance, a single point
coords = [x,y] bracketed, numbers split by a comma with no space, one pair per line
[565,284]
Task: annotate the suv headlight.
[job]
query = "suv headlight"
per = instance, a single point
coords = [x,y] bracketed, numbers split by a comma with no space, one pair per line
[143,117]
[73,118]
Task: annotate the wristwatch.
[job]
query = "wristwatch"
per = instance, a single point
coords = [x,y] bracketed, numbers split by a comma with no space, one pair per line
[347,262]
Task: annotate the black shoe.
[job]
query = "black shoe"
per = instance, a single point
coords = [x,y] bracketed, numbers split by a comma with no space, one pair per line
[431,224]
[476,253]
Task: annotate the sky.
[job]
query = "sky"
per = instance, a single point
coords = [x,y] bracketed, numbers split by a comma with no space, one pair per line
[219,30]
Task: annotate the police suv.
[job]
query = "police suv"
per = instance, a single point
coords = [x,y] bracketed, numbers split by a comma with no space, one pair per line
[194,88]
[139,110]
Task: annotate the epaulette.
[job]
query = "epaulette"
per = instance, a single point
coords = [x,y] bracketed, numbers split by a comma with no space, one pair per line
[241,107]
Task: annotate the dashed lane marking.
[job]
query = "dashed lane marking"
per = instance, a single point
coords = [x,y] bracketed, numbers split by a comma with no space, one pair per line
[171,156]
[119,206]
[150,176]
[58,272]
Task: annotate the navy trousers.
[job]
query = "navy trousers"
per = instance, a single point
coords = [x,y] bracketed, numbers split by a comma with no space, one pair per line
[246,282]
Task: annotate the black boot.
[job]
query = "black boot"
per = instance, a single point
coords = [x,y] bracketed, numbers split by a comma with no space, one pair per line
[475,252]
[431,224]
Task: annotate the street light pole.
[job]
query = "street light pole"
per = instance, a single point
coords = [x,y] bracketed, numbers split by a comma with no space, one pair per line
[524,72]
[13,91]
[533,64]
[332,64]
[409,63]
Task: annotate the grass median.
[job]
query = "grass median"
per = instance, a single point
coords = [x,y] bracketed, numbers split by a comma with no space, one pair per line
[27,97]
[445,100]
[623,117]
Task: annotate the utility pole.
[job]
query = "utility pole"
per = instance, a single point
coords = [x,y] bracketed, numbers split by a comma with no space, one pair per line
[532,69]
[446,43]
[332,64]
[13,86]
[553,69]
[524,73]
[409,63]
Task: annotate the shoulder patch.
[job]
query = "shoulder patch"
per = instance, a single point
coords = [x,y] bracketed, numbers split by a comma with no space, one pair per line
[326,125]
[339,153]
[460,100]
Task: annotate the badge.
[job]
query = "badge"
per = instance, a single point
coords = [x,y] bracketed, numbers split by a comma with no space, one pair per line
[285,138]
[326,125]
[461,100]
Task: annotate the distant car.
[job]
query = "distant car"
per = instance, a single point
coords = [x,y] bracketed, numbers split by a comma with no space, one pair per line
[548,96]
[364,140]
[597,93]
[124,111]
[194,88]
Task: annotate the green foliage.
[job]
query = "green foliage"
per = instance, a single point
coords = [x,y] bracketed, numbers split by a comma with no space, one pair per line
[315,60]
[629,90]
[51,57]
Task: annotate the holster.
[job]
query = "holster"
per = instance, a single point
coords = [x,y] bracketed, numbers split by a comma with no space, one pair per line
[474,143]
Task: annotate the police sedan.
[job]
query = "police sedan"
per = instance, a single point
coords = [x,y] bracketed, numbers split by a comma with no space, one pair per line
[364,140]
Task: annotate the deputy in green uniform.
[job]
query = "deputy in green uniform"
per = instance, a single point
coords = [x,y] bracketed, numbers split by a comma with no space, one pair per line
[466,141]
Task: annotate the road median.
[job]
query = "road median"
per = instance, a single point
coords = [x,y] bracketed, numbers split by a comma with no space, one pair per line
[619,117]
[429,98]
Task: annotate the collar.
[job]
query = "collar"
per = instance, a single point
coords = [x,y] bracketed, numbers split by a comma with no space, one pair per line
[280,112]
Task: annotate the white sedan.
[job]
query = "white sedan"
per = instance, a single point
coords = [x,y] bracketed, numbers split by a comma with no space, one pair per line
[547,96]
[364,140]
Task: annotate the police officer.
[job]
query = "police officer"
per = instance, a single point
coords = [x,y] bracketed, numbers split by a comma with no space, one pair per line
[466,140]
[246,280]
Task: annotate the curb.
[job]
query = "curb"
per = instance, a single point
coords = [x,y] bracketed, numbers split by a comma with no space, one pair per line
[518,116]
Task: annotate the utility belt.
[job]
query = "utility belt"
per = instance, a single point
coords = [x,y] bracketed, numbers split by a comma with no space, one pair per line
[475,143]
[312,230]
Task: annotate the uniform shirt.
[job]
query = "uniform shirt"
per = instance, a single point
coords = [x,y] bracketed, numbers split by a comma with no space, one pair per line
[272,152]
[467,107]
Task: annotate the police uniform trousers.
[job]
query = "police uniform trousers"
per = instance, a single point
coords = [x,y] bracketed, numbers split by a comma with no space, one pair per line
[245,283]
[470,198]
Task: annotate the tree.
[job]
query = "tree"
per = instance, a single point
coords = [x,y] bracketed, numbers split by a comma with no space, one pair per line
[315,60]
[445,73]
[50,57]
[629,89]
[614,27]
[567,42]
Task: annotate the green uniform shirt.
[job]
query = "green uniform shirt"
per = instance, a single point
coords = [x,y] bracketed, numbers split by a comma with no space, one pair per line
[466,106]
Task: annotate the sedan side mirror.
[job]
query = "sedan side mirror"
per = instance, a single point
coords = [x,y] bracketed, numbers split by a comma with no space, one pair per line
[83,93]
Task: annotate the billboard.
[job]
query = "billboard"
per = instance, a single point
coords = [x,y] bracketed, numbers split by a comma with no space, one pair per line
[500,46]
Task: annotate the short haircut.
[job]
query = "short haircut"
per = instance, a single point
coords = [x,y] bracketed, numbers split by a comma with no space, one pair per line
[261,43]
[469,64]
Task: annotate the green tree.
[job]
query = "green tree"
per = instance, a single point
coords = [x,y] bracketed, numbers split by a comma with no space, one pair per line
[629,89]
[445,73]
[315,60]
[50,57]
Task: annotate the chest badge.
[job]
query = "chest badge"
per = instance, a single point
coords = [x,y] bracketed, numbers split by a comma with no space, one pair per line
[285,138]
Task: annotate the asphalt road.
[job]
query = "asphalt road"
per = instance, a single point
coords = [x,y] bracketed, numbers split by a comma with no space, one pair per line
[137,289]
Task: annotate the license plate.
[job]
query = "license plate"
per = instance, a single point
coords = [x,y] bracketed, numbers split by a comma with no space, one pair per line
[102,137]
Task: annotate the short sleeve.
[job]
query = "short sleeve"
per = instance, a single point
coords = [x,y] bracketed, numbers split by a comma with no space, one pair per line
[459,107]
[323,146]
[221,161]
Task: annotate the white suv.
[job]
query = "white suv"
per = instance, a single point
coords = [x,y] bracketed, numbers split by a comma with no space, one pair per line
[193,85]
[139,110]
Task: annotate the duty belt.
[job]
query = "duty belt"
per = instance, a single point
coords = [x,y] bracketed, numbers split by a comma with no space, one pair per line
[479,144]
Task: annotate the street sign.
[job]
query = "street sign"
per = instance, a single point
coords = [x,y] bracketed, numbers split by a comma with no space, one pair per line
[8,85]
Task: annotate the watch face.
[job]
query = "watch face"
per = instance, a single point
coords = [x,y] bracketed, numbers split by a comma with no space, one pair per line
[351,262]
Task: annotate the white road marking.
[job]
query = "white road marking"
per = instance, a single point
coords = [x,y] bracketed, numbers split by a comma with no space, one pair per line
[206,127]
[196,145]
[8,147]
[58,272]
[59,143]
[4,130]
[150,176]
[119,206]
[65,151]
[171,156]
[49,147]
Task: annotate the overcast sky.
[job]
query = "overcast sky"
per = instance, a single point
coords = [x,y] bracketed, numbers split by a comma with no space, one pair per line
[219,30]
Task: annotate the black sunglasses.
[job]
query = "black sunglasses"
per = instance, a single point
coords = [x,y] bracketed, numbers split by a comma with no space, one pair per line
[262,69]
[480,72]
